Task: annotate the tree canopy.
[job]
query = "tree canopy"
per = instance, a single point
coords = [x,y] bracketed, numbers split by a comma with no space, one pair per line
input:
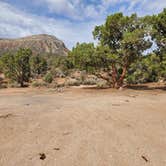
[120,55]
[16,66]
[122,39]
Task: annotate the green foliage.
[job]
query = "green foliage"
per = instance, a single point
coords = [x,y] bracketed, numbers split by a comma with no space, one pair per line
[69,62]
[73,82]
[154,65]
[122,41]
[158,23]
[147,69]
[1,65]
[81,56]
[59,63]
[48,78]
[56,61]
[119,54]
[16,66]
[38,65]
[38,84]
[163,67]
[124,35]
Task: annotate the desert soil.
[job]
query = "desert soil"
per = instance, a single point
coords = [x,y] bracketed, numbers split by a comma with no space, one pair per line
[82,127]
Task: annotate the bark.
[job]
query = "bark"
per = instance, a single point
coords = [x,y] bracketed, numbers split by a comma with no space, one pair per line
[106,78]
[121,79]
[22,84]
[114,76]
[114,80]
[117,81]
[103,77]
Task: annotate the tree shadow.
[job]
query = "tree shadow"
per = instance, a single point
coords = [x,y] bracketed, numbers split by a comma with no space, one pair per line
[146,87]
[24,86]
[96,88]
[133,87]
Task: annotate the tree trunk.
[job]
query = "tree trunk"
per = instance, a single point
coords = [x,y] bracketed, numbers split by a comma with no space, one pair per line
[120,81]
[114,76]
[22,84]
[103,77]
[115,81]
[21,81]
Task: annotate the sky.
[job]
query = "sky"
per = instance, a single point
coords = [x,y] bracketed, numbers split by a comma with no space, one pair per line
[71,21]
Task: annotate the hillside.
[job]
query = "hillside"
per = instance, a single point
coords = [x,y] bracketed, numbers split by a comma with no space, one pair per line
[39,44]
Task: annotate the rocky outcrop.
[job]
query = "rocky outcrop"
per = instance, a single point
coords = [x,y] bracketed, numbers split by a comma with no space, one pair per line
[39,44]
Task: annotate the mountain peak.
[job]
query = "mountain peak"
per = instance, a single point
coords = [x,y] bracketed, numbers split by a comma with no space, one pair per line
[39,44]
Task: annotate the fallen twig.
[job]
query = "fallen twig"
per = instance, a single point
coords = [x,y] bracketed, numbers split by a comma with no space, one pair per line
[6,116]
[146,160]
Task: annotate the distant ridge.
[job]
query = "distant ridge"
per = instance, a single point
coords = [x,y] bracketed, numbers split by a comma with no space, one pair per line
[39,44]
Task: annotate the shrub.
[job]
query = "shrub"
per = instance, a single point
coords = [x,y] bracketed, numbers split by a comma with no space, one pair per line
[39,84]
[57,72]
[72,82]
[48,78]
[89,81]
[3,85]
[102,84]
[13,85]
[16,66]
[38,65]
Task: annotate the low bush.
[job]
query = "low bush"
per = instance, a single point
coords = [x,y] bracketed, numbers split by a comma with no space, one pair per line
[39,84]
[13,85]
[102,84]
[2,86]
[89,82]
[48,78]
[72,82]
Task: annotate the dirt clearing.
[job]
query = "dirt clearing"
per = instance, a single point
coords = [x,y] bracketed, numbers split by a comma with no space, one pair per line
[82,127]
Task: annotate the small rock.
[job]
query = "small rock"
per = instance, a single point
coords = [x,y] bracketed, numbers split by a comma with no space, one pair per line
[42,156]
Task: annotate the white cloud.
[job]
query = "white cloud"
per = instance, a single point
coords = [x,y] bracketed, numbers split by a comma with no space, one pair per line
[141,7]
[81,9]
[154,6]
[14,23]
[73,9]
[62,6]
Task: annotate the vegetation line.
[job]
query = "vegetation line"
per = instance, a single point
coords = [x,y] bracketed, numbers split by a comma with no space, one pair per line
[118,59]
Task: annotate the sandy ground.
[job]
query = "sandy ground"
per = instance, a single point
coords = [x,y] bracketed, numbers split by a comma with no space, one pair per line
[82,127]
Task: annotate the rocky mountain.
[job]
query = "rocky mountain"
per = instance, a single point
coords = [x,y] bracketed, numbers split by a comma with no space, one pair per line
[39,44]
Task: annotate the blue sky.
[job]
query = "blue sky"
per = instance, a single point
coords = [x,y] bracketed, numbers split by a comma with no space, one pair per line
[70,20]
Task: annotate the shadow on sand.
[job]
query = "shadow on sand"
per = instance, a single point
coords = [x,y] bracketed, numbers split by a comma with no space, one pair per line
[146,87]
[133,87]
